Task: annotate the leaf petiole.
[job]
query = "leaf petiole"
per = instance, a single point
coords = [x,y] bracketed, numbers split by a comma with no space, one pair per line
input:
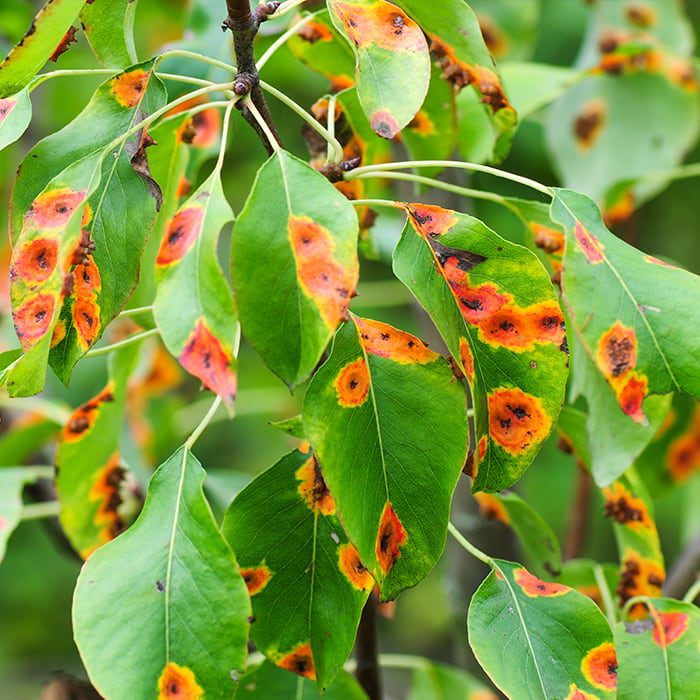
[377,203]
[128,313]
[36,511]
[203,424]
[692,593]
[282,39]
[466,544]
[274,143]
[136,338]
[608,603]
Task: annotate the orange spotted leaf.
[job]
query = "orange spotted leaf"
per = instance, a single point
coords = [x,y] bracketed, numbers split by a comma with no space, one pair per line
[600,665]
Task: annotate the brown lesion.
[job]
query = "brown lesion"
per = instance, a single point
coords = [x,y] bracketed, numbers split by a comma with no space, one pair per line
[313,32]
[256,578]
[385,341]
[299,661]
[625,508]
[53,208]
[352,384]
[352,567]
[640,14]
[589,124]
[391,537]
[313,489]
[129,88]
[86,320]
[683,453]
[517,420]
[106,489]
[34,318]
[639,576]
[84,417]
[178,683]
[182,232]
[599,666]
[33,262]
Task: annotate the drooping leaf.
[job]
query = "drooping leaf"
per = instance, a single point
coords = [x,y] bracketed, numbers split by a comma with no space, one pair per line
[493,304]
[387,420]
[539,543]
[194,307]
[91,480]
[540,640]
[173,573]
[267,681]
[109,28]
[43,36]
[299,567]
[457,43]
[295,255]
[640,336]
[437,681]
[393,62]
[12,482]
[15,115]
[658,655]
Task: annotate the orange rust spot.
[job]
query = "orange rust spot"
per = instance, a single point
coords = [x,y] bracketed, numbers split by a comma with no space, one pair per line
[467,359]
[422,124]
[34,261]
[304,447]
[352,384]
[641,15]
[106,490]
[33,319]
[129,88]
[324,279]
[431,220]
[620,210]
[508,328]
[184,187]
[383,340]
[491,508]
[353,568]
[204,357]
[683,454]
[548,239]
[86,279]
[313,32]
[575,693]
[59,333]
[206,125]
[625,508]
[669,627]
[617,351]
[83,418]
[64,44]
[546,322]
[390,538]
[536,588]
[178,683]
[639,576]
[299,661]
[481,447]
[341,82]
[53,209]
[589,124]
[379,24]
[256,578]
[86,218]
[313,489]
[384,124]
[682,72]
[182,232]
[631,397]
[599,666]
[655,261]
[517,421]
[86,319]
[592,248]
[6,107]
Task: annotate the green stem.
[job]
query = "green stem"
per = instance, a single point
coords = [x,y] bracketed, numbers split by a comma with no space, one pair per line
[692,593]
[377,203]
[330,126]
[35,511]
[476,167]
[43,77]
[196,57]
[608,603]
[286,7]
[183,78]
[407,662]
[128,313]
[203,423]
[682,172]
[224,135]
[308,118]
[632,602]
[274,143]
[474,551]
[282,39]
[136,338]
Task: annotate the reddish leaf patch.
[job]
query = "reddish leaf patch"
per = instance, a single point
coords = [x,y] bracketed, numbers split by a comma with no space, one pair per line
[6,107]
[53,209]
[34,261]
[129,88]
[592,248]
[576,693]
[33,319]
[299,661]
[84,416]
[352,567]
[517,420]
[431,220]
[491,508]
[383,340]
[669,627]
[625,508]
[467,359]
[106,490]
[536,588]
[390,538]
[599,666]
[180,235]
[178,683]
[86,320]
[256,578]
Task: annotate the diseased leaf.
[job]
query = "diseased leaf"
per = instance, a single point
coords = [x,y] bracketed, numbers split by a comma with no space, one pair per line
[433,681]
[15,116]
[37,45]
[109,28]
[295,255]
[25,435]
[173,572]
[387,420]
[540,640]
[194,307]
[641,337]
[393,62]
[292,426]
[12,482]
[91,480]
[658,655]
[494,306]
[509,27]
[299,567]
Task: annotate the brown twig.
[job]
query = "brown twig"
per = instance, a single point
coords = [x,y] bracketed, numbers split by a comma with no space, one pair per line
[684,571]
[578,523]
[366,651]
[244,26]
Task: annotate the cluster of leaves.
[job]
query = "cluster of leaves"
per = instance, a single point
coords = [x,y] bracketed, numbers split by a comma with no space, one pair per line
[363,504]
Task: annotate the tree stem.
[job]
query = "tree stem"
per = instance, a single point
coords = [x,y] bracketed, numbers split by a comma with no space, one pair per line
[367,653]
[578,522]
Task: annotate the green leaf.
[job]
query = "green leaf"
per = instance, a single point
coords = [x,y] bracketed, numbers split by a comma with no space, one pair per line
[47,29]
[580,574]
[658,655]
[267,682]
[173,573]
[109,29]
[509,27]
[393,61]
[15,116]
[194,307]
[292,426]
[91,480]
[387,420]
[295,256]
[299,567]
[30,432]
[640,336]
[531,86]
[496,310]
[457,43]
[440,682]
[540,640]
[12,482]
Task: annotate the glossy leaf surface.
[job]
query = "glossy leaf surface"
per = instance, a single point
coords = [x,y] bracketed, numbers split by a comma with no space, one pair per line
[109,28]
[12,482]
[194,307]
[495,308]
[299,567]
[181,583]
[393,62]
[15,115]
[294,255]
[31,53]
[387,420]
[658,655]
[540,640]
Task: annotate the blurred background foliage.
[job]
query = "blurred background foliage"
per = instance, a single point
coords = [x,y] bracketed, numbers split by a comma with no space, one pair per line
[38,574]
